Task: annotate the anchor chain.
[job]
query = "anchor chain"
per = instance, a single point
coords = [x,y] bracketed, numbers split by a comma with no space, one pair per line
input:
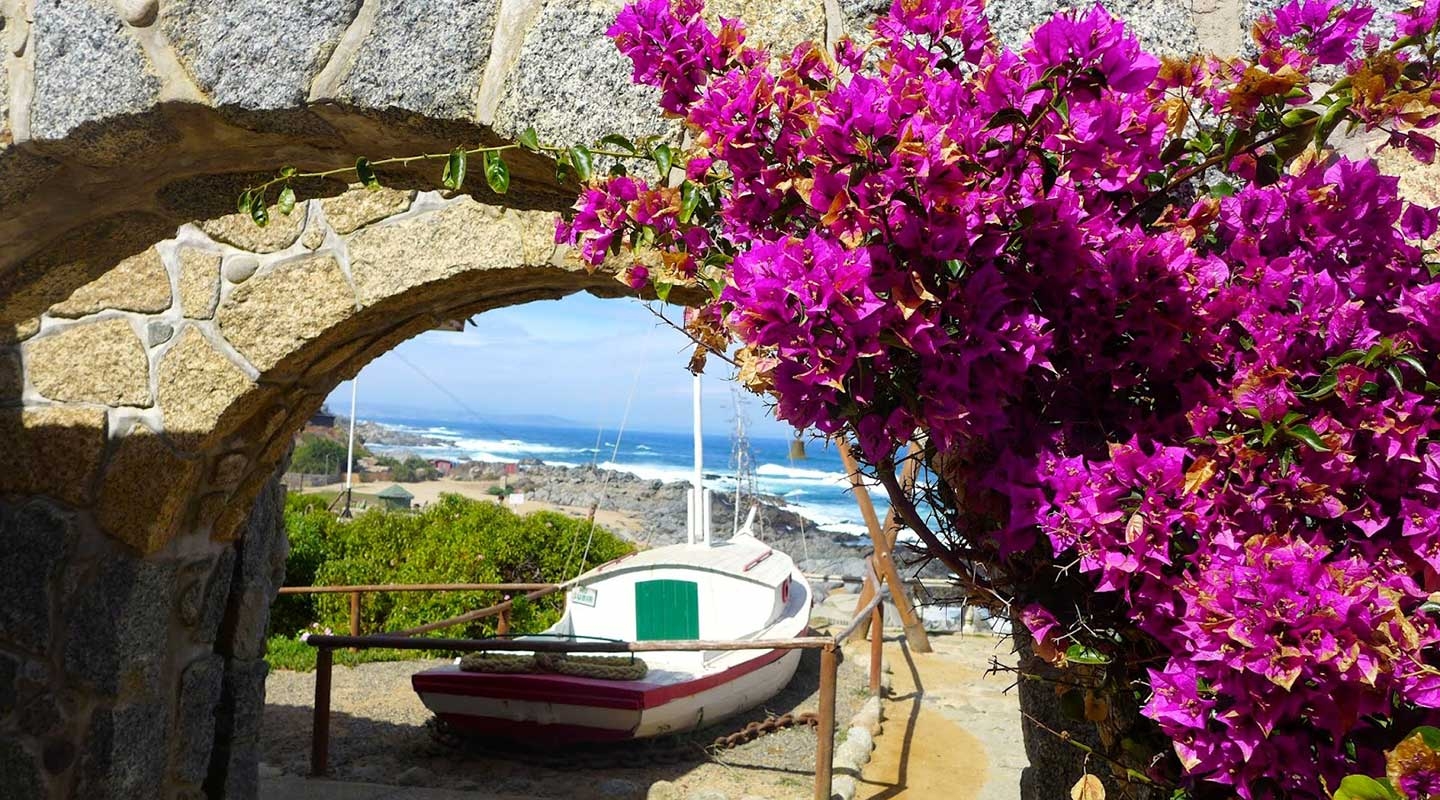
[639,753]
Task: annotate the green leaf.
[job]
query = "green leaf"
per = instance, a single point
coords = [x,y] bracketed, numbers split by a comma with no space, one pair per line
[1413,362]
[1307,434]
[1222,189]
[454,176]
[1080,654]
[689,200]
[1362,787]
[258,212]
[618,169]
[1267,432]
[662,291]
[1049,171]
[496,173]
[1332,117]
[1005,116]
[529,139]
[583,163]
[1394,372]
[1323,388]
[664,159]
[286,201]
[620,142]
[1062,107]
[243,204]
[366,173]
[1428,734]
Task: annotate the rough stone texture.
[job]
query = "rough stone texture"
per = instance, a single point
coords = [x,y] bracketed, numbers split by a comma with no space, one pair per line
[779,26]
[359,207]
[261,571]
[124,755]
[117,627]
[35,541]
[234,761]
[199,282]
[240,231]
[19,773]
[146,520]
[12,379]
[572,85]
[458,238]
[195,717]
[217,592]
[259,320]
[139,283]
[228,46]
[424,57]
[68,441]
[88,67]
[92,362]
[197,386]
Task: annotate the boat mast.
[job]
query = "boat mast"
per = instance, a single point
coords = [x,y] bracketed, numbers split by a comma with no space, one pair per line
[698,518]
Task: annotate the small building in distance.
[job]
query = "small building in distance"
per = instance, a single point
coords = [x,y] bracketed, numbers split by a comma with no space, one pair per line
[442,465]
[395,496]
[321,419]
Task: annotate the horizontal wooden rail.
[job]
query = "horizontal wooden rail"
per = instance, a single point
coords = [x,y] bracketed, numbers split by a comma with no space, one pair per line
[933,583]
[392,642]
[418,587]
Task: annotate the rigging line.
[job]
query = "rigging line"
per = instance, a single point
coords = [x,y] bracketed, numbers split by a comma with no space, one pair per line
[615,451]
[453,398]
[594,465]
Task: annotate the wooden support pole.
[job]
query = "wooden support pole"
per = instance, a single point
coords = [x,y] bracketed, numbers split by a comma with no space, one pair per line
[825,733]
[867,591]
[884,564]
[877,645]
[320,731]
[502,626]
[354,616]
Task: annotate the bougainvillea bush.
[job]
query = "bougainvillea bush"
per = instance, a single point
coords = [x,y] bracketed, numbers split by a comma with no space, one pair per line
[1169,354]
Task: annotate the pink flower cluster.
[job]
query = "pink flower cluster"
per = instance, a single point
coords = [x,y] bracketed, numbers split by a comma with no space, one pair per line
[1219,408]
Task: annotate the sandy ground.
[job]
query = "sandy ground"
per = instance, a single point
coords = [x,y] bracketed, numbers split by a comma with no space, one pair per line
[427,492]
[950,731]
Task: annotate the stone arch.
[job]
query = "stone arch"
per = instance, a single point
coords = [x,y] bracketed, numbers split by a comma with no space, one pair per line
[157,350]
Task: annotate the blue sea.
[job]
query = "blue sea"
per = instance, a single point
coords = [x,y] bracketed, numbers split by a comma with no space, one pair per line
[815,487]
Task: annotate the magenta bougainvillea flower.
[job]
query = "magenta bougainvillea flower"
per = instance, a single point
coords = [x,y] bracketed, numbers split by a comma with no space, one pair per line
[1154,333]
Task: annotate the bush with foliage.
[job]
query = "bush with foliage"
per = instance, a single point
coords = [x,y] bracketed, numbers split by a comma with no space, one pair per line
[321,455]
[454,540]
[410,469]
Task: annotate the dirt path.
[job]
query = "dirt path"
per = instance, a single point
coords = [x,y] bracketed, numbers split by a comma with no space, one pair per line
[950,731]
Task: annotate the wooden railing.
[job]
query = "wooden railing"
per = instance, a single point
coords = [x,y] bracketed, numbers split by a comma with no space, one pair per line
[872,613]
[355,592]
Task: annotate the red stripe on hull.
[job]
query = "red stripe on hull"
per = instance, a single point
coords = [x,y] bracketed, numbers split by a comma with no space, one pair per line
[511,729]
[572,690]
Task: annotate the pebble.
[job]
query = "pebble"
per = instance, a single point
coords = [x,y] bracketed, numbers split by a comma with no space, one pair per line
[139,13]
[663,790]
[616,787]
[239,268]
[707,794]
[843,787]
[415,776]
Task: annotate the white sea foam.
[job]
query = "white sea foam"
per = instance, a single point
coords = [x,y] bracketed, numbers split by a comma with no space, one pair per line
[785,473]
[512,447]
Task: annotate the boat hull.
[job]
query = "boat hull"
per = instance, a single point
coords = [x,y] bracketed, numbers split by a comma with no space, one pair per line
[560,708]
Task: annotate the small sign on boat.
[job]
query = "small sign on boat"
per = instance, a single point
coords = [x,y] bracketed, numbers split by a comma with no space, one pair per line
[583,595]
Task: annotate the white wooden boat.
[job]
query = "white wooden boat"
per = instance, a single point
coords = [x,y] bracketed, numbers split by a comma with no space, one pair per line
[735,590]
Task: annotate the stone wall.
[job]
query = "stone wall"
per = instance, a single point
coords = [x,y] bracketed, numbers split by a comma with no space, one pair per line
[157,351]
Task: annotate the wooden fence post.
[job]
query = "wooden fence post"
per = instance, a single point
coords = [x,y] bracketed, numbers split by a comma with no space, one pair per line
[825,733]
[320,732]
[877,645]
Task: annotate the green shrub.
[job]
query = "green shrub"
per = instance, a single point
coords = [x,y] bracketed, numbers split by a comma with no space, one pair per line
[410,470]
[454,540]
[320,455]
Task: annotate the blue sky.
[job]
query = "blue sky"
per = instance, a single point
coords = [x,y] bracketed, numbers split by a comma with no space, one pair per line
[575,358]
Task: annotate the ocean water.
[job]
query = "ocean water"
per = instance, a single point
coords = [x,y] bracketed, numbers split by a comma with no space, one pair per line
[815,487]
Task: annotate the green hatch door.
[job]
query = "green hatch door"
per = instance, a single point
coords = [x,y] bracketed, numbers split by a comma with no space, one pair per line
[666,609]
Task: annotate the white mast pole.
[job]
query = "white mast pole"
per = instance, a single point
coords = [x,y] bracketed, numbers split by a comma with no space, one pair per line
[350,448]
[702,519]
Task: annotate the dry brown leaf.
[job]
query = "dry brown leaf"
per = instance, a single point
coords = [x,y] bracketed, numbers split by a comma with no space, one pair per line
[1199,474]
[1088,787]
